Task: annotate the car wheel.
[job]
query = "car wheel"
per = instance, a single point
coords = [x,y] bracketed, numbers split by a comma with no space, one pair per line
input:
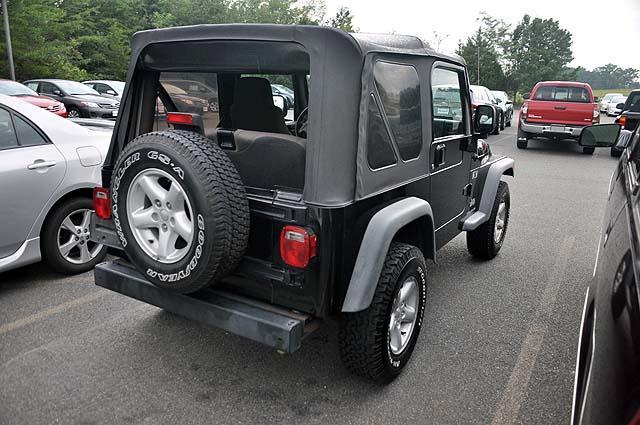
[377,343]
[501,122]
[73,113]
[65,242]
[508,124]
[180,209]
[497,130]
[588,150]
[615,152]
[485,242]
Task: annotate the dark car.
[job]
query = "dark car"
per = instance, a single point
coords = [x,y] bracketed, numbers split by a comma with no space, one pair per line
[244,223]
[285,92]
[506,104]
[80,100]
[480,95]
[607,379]
[629,117]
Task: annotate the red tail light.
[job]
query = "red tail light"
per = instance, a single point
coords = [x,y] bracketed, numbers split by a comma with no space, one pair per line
[179,118]
[297,246]
[102,203]
[622,120]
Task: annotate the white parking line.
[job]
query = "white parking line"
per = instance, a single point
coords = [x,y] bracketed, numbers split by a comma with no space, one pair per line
[513,395]
[50,311]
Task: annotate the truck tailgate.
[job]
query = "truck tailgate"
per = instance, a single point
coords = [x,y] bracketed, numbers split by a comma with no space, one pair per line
[554,112]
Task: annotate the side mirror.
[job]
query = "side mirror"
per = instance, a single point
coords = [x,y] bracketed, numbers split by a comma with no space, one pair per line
[526,96]
[596,99]
[620,106]
[484,121]
[509,102]
[57,92]
[600,136]
[281,103]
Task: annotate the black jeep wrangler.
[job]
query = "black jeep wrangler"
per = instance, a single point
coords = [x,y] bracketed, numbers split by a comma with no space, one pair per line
[264,222]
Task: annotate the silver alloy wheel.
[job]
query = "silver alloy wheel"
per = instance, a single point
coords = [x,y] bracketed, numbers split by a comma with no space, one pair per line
[73,238]
[404,315]
[73,113]
[160,215]
[501,218]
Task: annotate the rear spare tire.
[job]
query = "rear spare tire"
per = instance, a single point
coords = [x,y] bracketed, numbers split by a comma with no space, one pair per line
[180,209]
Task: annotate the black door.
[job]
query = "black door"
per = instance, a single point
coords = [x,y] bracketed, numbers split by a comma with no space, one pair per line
[449,162]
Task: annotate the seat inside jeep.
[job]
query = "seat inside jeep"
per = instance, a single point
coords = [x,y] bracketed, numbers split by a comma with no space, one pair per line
[263,133]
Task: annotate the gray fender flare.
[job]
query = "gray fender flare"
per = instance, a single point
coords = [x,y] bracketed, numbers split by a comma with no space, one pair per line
[495,173]
[377,239]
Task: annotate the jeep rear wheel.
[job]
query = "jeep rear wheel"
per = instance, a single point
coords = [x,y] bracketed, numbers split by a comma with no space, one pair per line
[377,343]
[179,209]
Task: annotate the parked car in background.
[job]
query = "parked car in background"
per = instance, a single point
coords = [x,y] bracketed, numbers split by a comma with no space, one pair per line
[480,95]
[13,88]
[81,101]
[506,104]
[284,91]
[109,88]
[630,115]
[195,89]
[557,110]
[48,169]
[604,102]
[615,106]
[607,377]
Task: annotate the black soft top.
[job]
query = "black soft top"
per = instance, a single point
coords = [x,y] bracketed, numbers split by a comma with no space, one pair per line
[337,61]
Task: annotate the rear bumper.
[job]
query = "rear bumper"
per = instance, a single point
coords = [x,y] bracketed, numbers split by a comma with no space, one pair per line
[555,130]
[265,323]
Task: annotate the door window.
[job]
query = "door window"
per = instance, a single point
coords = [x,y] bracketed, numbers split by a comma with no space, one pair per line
[27,135]
[399,89]
[47,88]
[447,103]
[8,137]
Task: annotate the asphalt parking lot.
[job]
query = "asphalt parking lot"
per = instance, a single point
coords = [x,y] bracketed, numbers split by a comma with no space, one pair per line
[498,344]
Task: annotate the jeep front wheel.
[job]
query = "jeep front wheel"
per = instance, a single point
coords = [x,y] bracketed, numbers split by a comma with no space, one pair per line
[377,343]
[179,209]
[485,242]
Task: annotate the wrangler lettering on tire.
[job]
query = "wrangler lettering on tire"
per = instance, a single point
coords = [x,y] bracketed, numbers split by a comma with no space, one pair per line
[179,209]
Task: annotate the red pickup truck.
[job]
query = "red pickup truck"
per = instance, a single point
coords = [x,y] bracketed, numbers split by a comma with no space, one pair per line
[557,110]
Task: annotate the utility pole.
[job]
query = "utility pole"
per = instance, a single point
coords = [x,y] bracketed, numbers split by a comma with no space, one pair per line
[7,34]
[478,47]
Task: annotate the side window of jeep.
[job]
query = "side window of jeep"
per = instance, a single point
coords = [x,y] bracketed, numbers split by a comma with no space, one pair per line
[447,103]
[192,92]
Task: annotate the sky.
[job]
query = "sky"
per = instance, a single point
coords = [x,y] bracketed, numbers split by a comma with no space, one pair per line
[602,30]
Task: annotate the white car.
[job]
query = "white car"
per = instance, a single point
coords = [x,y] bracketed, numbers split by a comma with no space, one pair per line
[604,103]
[48,169]
[612,109]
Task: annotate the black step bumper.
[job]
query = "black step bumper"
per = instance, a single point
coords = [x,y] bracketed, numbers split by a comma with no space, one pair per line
[264,323]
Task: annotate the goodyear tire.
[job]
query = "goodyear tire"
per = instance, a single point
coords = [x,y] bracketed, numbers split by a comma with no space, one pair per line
[377,343]
[179,209]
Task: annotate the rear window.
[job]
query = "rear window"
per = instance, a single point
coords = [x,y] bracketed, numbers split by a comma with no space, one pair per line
[562,94]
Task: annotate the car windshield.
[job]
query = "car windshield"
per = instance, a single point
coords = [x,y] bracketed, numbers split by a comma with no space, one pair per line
[71,87]
[11,88]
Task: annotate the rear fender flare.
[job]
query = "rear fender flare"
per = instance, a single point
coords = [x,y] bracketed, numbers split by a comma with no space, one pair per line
[380,232]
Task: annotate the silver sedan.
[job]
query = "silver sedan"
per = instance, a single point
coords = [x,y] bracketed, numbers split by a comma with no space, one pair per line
[48,169]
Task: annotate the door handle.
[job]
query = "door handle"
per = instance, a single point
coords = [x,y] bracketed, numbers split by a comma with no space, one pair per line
[560,108]
[40,163]
[440,155]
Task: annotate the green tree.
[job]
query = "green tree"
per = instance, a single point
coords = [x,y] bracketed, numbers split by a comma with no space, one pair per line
[539,49]
[41,46]
[343,19]
[481,53]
